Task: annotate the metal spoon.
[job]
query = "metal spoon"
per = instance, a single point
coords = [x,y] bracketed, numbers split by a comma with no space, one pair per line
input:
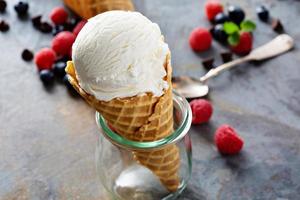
[192,87]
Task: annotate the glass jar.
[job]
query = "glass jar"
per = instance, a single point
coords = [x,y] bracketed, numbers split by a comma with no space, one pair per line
[123,177]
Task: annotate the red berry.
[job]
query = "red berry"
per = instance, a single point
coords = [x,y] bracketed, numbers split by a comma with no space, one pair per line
[227,140]
[212,8]
[200,39]
[202,111]
[78,27]
[62,43]
[45,58]
[245,44]
[59,15]
[111,127]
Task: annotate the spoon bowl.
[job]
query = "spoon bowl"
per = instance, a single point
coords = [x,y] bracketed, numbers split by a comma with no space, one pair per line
[189,87]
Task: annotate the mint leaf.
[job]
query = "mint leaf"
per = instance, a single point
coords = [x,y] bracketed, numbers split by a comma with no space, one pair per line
[248,26]
[230,28]
[234,39]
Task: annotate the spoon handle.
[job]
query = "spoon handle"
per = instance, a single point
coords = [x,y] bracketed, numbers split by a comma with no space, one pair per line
[214,72]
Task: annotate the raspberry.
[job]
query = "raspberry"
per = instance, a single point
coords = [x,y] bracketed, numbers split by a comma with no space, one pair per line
[58,15]
[202,111]
[45,58]
[212,8]
[78,27]
[62,43]
[245,44]
[227,140]
[200,39]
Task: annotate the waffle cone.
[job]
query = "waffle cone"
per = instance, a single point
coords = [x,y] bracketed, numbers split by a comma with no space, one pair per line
[90,8]
[142,118]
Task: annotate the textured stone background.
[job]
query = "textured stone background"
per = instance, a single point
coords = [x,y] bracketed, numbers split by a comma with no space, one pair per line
[47,138]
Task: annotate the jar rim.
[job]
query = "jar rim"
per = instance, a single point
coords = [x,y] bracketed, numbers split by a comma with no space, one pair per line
[179,102]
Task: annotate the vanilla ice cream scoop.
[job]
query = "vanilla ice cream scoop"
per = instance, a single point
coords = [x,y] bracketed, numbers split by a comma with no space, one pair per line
[120,54]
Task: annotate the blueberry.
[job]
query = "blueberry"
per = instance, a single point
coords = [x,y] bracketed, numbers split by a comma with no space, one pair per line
[226,56]
[221,18]
[4,26]
[47,77]
[219,34]
[27,55]
[45,27]
[236,14]
[36,21]
[71,23]
[57,29]
[59,69]
[66,82]
[40,25]
[262,13]
[2,6]
[70,88]
[64,59]
[208,64]
[21,8]
[277,25]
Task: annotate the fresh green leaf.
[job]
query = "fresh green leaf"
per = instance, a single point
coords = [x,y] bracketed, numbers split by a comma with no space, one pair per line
[234,39]
[230,28]
[248,26]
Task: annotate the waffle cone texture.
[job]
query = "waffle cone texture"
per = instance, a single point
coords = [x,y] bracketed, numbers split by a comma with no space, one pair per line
[89,8]
[142,118]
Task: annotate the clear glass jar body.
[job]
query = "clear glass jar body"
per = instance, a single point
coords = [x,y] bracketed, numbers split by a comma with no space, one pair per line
[120,173]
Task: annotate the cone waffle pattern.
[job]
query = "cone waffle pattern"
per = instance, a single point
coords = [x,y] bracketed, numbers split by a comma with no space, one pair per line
[142,118]
[90,8]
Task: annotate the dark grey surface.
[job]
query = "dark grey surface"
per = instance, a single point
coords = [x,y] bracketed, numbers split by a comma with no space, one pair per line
[47,138]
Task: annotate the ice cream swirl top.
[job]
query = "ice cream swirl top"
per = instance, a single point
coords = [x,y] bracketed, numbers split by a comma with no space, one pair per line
[120,54]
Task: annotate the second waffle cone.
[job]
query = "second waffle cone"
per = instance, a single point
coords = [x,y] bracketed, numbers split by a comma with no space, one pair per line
[142,118]
[90,8]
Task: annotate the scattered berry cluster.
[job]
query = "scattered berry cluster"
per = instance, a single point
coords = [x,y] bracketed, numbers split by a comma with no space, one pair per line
[21,8]
[226,138]
[50,62]
[230,28]
[2,6]
[4,26]
[263,15]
